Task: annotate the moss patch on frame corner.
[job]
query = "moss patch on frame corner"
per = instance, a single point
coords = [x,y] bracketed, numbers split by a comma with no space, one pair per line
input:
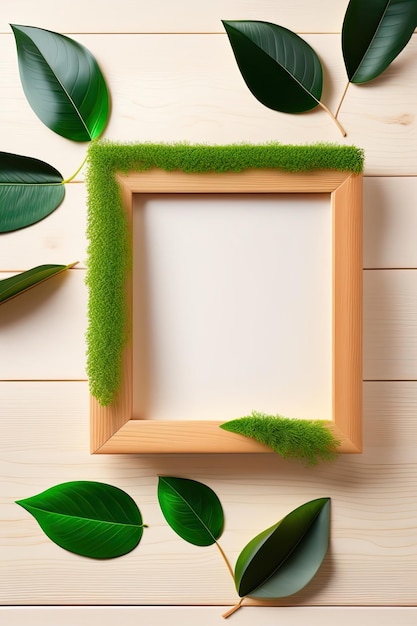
[308,441]
[109,254]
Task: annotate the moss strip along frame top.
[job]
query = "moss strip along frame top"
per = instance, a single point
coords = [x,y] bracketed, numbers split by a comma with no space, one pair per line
[109,230]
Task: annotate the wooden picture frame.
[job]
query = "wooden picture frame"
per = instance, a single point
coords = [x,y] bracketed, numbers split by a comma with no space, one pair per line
[113,431]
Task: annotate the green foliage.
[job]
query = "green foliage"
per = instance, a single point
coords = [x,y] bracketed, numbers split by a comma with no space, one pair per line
[15,285]
[268,57]
[109,254]
[192,510]
[100,521]
[67,91]
[305,440]
[62,82]
[281,70]
[374,33]
[106,158]
[284,558]
[285,74]
[29,191]
[88,518]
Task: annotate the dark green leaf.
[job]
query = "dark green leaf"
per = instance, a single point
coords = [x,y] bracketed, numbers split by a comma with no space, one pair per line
[29,191]
[191,509]
[89,518]
[62,82]
[15,285]
[281,70]
[374,33]
[283,559]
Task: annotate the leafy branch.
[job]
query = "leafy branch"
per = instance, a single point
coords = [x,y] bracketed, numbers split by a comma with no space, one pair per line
[285,74]
[279,67]
[73,103]
[99,521]
[276,563]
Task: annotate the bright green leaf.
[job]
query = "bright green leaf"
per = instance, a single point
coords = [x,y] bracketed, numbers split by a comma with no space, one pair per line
[281,70]
[15,285]
[192,510]
[374,33]
[62,82]
[29,191]
[284,558]
[89,518]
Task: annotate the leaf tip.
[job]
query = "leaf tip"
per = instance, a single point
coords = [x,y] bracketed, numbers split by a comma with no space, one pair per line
[22,503]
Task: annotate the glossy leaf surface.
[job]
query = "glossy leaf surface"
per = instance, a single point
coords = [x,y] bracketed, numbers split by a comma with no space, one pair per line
[283,559]
[374,32]
[62,82]
[15,285]
[30,190]
[89,518]
[192,510]
[281,70]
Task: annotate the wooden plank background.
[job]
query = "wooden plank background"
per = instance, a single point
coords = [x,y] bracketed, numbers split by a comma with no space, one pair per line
[209,616]
[172,77]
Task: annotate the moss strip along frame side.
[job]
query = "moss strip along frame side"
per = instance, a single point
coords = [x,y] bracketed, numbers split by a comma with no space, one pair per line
[109,251]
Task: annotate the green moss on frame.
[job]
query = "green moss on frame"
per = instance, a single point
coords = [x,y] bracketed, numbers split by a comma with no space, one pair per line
[109,254]
[305,440]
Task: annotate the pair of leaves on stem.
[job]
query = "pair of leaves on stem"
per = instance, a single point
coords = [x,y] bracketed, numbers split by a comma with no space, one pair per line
[66,89]
[101,521]
[284,72]
[276,563]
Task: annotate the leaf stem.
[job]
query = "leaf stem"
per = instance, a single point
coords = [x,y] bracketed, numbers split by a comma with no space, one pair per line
[233,609]
[68,180]
[226,560]
[341,99]
[340,127]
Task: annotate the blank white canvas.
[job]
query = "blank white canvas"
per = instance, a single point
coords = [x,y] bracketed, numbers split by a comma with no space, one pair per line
[232,306]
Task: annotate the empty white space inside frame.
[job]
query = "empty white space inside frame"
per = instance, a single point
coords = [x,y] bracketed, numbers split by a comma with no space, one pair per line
[232,306]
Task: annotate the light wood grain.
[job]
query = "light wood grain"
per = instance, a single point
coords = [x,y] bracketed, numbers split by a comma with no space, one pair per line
[171,88]
[113,428]
[373,555]
[156,16]
[42,331]
[206,616]
[57,239]
[390,222]
[248,181]
[187,87]
[198,437]
[347,310]
[390,314]
[390,325]
[390,229]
